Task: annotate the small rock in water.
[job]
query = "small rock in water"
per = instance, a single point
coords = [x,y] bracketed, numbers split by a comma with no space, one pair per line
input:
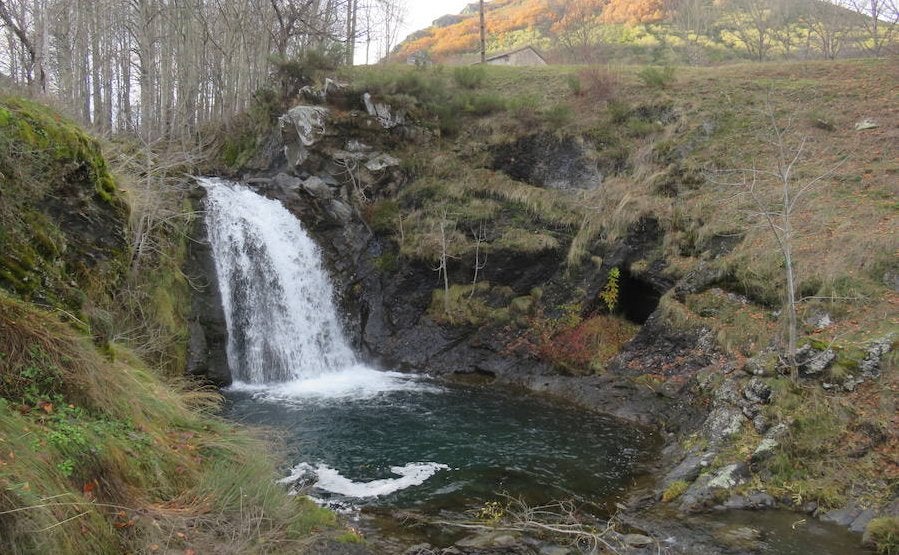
[488,540]
[740,537]
[637,540]
[555,550]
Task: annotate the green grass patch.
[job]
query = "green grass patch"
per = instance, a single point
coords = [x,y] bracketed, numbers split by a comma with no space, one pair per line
[471,305]
[674,491]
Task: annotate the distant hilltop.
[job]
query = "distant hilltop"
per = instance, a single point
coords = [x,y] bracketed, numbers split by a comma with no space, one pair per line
[697,32]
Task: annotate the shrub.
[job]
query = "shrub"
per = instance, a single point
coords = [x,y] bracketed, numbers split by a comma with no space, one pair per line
[559,115]
[619,112]
[384,216]
[575,85]
[657,77]
[469,77]
[589,345]
[609,294]
[486,104]
[597,84]
[293,73]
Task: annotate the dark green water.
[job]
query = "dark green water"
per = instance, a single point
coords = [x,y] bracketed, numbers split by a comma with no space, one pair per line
[490,442]
[461,446]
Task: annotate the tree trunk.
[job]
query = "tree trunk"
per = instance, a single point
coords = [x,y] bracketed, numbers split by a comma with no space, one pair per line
[483,35]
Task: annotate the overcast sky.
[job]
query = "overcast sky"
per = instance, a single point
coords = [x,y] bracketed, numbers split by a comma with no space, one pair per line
[422,12]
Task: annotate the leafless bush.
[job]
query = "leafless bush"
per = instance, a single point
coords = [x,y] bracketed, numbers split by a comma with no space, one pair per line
[598,84]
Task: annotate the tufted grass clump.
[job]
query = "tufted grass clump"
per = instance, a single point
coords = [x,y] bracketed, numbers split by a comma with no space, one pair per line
[883,535]
[674,490]
[469,77]
[657,77]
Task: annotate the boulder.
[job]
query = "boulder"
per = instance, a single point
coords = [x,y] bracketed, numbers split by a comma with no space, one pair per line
[757,391]
[812,361]
[284,183]
[722,423]
[381,162]
[866,124]
[340,211]
[318,189]
[876,352]
[699,279]
[301,127]
[386,116]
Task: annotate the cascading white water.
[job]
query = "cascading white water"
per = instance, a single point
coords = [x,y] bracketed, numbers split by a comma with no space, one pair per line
[277,297]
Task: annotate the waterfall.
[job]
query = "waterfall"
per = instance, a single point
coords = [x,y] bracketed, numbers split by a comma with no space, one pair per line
[277,297]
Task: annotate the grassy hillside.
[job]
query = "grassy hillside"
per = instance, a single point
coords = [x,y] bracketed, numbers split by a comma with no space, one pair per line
[674,147]
[99,452]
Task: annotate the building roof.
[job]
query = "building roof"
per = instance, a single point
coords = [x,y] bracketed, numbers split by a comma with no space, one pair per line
[510,52]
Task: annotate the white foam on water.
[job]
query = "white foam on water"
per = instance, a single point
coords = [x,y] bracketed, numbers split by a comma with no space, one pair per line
[357,382]
[330,480]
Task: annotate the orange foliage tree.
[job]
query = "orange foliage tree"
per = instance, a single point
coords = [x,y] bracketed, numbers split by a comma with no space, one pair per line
[575,23]
[634,12]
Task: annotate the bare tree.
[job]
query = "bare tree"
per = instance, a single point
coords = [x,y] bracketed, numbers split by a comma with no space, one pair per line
[576,27]
[692,19]
[777,194]
[879,19]
[479,235]
[161,67]
[828,25]
[753,22]
[16,20]
[483,29]
[446,227]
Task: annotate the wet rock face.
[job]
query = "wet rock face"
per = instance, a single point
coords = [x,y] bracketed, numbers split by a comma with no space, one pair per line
[544,160]
[208,332]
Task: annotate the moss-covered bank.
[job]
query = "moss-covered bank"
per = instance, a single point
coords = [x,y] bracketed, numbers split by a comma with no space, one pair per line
[99,452]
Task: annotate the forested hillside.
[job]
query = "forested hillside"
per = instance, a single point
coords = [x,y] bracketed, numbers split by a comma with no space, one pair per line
[663,31]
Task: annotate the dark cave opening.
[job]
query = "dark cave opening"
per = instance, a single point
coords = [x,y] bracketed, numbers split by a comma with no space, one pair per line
[637,299]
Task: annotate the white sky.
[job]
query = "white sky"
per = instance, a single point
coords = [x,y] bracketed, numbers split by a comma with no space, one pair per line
[422,12]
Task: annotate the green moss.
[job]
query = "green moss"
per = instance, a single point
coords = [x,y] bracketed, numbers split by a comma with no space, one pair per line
[50,164]
[349,537]
[387,263]
[383,216]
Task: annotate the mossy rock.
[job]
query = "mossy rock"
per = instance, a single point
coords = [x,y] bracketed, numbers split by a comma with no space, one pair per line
[62,219]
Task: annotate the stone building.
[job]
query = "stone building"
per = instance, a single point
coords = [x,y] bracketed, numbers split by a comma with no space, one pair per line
[525,56]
